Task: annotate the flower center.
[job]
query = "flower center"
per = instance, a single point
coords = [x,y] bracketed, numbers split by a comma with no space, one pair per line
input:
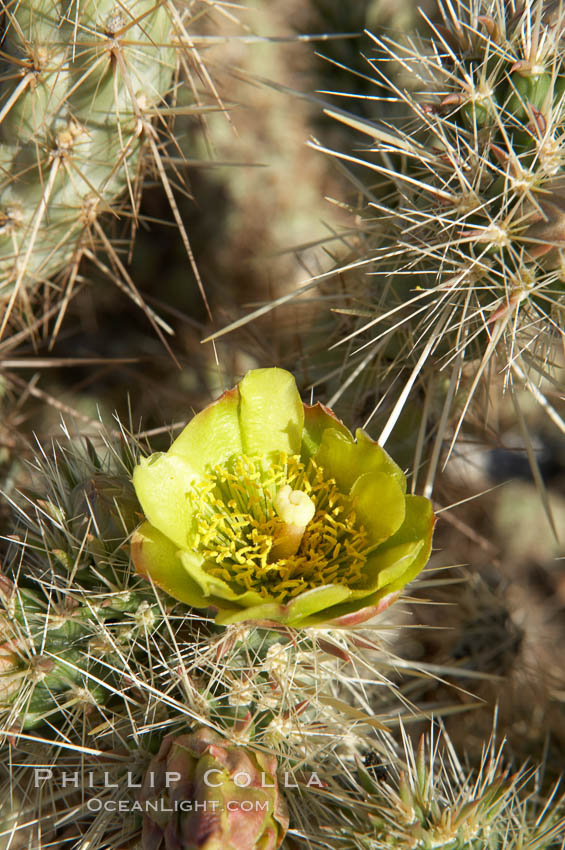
[277,527]
[295,509]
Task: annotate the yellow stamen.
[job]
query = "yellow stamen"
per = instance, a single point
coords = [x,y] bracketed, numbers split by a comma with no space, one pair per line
[277,527]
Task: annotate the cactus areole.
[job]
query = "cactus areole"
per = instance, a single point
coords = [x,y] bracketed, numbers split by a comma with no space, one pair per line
[265,508]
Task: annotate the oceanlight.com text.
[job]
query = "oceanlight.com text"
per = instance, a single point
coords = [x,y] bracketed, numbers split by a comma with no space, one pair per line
[123,806]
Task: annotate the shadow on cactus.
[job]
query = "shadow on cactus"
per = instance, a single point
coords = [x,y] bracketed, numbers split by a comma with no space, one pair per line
[463,232]
[267,509]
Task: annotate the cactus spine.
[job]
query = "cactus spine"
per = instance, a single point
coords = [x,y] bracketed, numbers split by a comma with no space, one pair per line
[464,226]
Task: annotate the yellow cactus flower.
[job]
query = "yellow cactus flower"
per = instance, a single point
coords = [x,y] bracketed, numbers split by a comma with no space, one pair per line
[265,508]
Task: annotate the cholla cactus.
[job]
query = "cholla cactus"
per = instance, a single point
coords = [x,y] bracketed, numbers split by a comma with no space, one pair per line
[70,586]
[63,656]
[465,224]
[69,616]
[428,798]
[80,86]
[267,509]
[95,668]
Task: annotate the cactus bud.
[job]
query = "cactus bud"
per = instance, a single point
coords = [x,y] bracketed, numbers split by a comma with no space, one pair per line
[201,792]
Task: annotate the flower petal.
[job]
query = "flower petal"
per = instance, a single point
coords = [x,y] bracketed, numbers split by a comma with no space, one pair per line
[418,525]
[162,483]
[271,412]
[312,601]
[354,618]
[346,459]
[400,558]
[155,556]
[380,505]
[317,419]
[268,611]
[394,563]
[303,606]
[350,614]
[212,436]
